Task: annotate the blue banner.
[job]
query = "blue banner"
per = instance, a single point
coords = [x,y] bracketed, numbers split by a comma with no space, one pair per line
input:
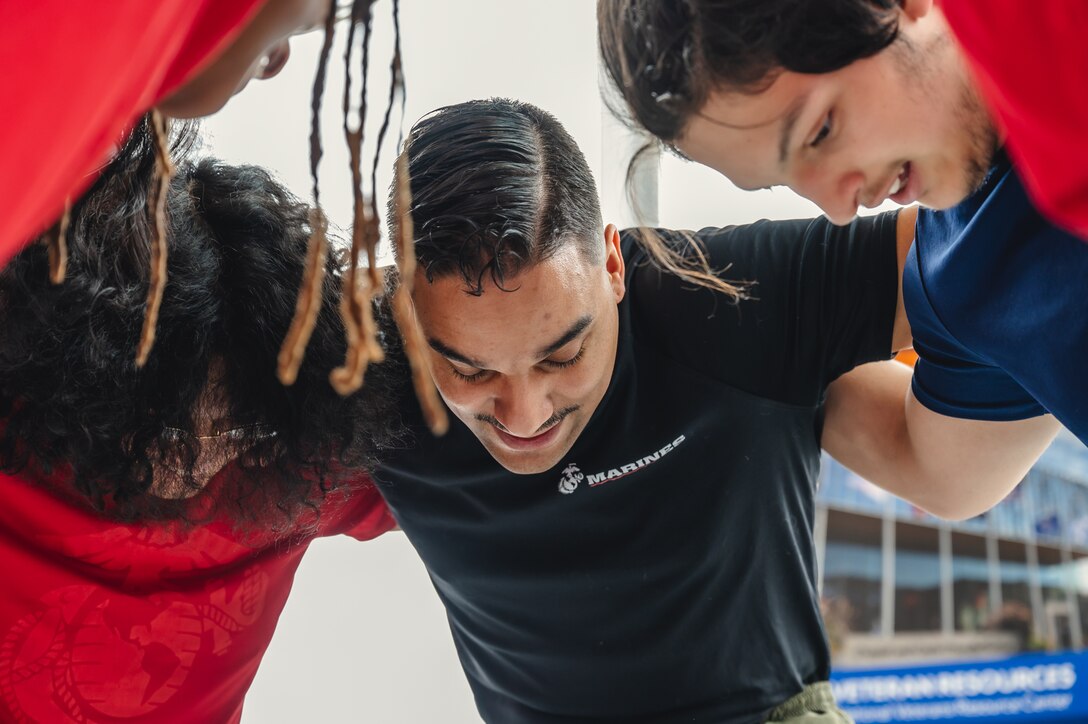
[1032,688]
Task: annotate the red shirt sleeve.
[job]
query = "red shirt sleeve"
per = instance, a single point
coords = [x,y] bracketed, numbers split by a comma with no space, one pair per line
[379,520]
[1031,61]
[364,515]
[75,74]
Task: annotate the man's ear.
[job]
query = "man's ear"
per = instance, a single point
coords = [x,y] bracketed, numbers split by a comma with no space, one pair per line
[614,264]
[916,9]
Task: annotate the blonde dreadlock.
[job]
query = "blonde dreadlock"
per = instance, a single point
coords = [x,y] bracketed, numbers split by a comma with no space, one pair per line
[160,183]
[56,240]
[359,290]
[294,345]
[403,313]
[57,244]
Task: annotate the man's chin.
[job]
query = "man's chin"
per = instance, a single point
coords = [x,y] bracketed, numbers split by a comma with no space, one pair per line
[950,194]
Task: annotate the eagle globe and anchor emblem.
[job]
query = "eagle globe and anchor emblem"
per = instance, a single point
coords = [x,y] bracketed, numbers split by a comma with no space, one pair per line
[572,475]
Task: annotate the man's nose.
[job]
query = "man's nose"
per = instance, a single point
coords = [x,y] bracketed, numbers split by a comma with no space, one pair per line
[838,194]
[522,405]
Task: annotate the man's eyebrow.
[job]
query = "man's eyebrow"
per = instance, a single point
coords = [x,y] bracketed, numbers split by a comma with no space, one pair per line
[789,121]
[575,329]
[449,352]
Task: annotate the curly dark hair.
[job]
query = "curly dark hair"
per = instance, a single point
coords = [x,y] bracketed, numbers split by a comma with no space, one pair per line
[78,414]
[666,56]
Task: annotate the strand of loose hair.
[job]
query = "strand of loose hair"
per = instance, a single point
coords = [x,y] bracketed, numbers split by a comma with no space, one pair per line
[693,267]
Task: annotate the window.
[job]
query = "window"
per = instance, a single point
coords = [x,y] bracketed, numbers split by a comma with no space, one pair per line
[971,604]
[917,579]
[852,577]
[1015,612]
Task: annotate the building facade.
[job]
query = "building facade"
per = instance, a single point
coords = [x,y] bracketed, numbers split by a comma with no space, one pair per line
[899,585]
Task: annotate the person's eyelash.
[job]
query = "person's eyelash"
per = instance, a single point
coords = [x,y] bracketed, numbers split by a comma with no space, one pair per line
[475,377]
[569,362]
[823,133]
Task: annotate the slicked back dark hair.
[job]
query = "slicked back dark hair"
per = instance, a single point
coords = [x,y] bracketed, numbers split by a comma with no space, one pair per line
[74,403]
[497,186]
[666,56]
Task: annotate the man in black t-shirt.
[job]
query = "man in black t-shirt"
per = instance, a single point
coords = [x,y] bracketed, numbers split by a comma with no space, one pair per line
[619,521]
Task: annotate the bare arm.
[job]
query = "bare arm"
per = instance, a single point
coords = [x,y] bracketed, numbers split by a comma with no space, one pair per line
[952,467]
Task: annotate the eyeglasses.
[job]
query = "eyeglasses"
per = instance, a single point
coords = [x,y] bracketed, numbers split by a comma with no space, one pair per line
[257,431]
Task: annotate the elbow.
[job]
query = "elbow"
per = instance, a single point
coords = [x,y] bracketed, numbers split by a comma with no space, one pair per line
[955,504]
[953,512]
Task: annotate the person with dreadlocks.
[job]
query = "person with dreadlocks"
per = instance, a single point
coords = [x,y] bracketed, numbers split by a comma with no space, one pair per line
[619,520]
[186,58]
[152,519]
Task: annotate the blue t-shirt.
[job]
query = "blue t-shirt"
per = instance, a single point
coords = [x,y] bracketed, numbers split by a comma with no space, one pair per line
[994,294]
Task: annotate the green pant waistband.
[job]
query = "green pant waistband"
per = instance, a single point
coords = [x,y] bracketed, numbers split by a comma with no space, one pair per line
[814,700]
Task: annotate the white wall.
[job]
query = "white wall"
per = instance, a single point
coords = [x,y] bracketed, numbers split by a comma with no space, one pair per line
[363,639]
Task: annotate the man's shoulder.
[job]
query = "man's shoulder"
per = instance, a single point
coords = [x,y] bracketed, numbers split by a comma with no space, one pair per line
[730,252]
[764,247]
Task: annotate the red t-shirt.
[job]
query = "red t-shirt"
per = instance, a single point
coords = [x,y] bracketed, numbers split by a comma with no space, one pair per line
[73,75]
[143,624]
[1031,60]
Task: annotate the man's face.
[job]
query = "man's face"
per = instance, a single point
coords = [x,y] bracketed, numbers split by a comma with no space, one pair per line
[525,369]
[905,124]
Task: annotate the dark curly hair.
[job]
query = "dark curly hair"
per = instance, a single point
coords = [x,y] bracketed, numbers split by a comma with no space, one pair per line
[78,415]
[666,56]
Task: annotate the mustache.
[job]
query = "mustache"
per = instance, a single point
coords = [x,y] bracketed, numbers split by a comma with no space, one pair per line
[548,424]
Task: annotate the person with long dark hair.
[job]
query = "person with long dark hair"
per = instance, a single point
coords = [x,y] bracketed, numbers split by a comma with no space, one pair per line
[152,517]
[854,102]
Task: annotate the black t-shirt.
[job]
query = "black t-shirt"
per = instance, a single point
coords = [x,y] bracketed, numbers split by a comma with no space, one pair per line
[664,570]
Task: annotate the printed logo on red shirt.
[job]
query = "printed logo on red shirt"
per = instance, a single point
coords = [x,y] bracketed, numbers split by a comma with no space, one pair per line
[91,652]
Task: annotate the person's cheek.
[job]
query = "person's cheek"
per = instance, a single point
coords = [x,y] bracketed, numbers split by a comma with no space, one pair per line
[465,399]
[581,380]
